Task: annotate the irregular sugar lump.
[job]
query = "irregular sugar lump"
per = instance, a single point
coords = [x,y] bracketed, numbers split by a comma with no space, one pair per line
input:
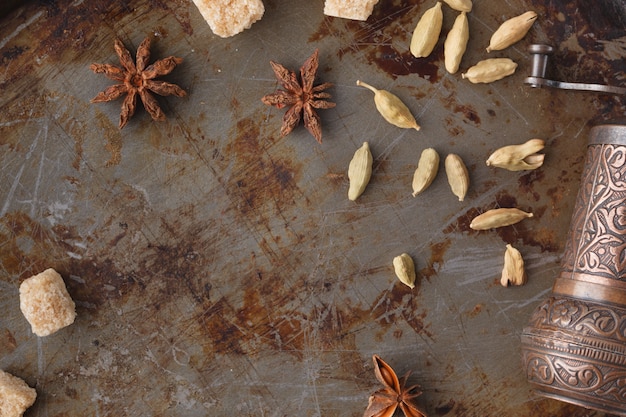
[349,9]
[229,17]
[15,395]
[45,303]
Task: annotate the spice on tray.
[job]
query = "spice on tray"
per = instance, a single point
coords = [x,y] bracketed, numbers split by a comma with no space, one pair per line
[513,272]
[511,31]
[385,401]
[426,171]
[138,79]
[301,96]
[499,217]
[456,43]
[427,31]
[518,157]
[404,267]
[360,171]
[391,108]
[490,70]
[458,177]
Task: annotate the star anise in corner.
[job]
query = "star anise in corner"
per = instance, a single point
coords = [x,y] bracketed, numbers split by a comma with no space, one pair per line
[301,96]
[383,403]
[138,79]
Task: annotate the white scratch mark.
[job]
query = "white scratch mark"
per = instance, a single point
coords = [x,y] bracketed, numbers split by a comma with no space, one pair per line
[16,181]
[39,173]
[19,29]
[40,357]
[78,279]
[523,303]
[57,211]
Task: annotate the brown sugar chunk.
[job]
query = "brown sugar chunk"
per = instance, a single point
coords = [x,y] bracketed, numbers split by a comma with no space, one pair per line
[45,303]
[229,17]
[15,395]
[349,9]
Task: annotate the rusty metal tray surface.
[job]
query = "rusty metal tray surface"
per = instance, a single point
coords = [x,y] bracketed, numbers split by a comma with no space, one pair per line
[220,269]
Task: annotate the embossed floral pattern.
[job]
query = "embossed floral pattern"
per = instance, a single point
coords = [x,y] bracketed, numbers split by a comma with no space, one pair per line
[596,244]
[563,313]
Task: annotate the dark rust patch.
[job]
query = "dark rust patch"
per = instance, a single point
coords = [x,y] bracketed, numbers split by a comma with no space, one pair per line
[398,64]
[385,40]
[15,227]
[528,181]
[462,222]
[401,304]
[7,342]
[469,113]
[263,183]
[478,308]
[444,409]
[452,128]
[179,9]
[435,262]
[12,53]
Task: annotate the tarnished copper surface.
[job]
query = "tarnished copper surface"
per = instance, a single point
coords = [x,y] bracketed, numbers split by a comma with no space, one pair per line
[219,269]
[574,348]
[575,351]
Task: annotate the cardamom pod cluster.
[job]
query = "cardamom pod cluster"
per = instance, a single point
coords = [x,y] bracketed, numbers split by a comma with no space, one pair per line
[426,33]
[458,177]
[490,70]
[426,171]
[511,31]
[392,108]
[456,43]
[518,157]
[405,269]
[500,217]
[360,171]
[513,272]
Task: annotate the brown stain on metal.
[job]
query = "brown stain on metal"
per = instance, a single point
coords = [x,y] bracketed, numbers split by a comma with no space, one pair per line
[444,409]
[391,23]
[7,342]
[112,138]
[397,64]
[260,322]
[397,305]
[179,9]
[452,128]
[469,113]
[436,260]
[264,184]
[478,308]
[528,181]
[16,230]
[462,222]
[24,109]
[544,238]
[75,128]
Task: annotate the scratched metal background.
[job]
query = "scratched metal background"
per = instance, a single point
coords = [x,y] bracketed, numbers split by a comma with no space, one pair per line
[219,269]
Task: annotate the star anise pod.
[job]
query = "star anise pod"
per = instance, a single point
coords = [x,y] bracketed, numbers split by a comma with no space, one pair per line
[138,79]
[384,402]
[301,96]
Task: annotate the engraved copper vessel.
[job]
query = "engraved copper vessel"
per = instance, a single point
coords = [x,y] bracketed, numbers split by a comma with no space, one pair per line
[574,347]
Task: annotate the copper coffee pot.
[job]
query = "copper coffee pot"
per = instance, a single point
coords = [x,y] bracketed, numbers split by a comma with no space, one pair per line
[574,347]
